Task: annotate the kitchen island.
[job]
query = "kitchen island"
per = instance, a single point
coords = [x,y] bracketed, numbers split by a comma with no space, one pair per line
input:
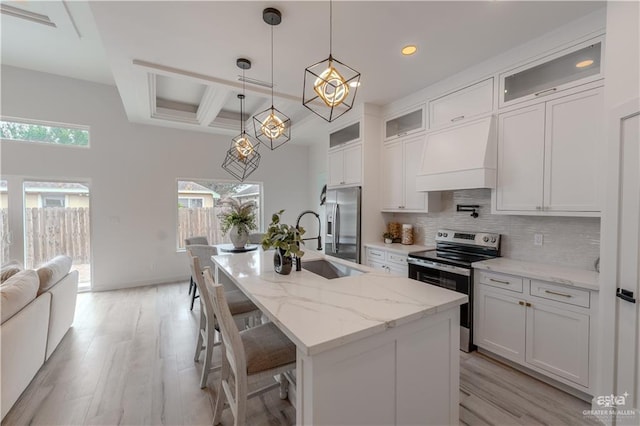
[372,348]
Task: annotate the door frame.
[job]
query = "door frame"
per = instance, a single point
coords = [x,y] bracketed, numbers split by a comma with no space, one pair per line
[609,252]
[16,209]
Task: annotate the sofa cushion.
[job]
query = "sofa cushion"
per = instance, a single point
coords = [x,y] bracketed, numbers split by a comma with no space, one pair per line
[9,269]
[17,292]
[53,271]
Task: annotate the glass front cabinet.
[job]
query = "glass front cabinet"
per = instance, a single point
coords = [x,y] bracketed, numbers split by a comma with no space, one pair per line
[579,64]
[405,123]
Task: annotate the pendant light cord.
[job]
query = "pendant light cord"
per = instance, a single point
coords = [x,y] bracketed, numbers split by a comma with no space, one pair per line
[330,27]
[271,65]
[242,106]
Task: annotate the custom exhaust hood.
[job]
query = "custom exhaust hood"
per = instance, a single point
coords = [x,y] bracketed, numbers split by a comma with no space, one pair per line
[463,157]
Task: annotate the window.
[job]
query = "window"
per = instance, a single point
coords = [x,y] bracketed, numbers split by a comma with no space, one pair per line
[199,207]
[48,133]
[190,203]
[53,200]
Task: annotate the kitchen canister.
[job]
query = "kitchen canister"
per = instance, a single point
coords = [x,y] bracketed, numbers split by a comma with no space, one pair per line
[407,233]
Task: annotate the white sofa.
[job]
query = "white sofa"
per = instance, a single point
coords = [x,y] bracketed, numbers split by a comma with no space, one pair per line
[30,336]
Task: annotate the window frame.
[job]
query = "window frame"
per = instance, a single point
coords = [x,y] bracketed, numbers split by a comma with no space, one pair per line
[53,196]
[259,214]
[44,123]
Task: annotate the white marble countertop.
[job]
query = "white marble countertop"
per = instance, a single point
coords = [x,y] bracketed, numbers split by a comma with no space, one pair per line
[541,271]
[399,248]
[319,314]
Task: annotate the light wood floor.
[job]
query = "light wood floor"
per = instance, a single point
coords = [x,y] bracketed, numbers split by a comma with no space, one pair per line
[129,360]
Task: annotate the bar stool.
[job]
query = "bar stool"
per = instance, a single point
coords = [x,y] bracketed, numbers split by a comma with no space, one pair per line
[202,240]
[240,307]
[250,355]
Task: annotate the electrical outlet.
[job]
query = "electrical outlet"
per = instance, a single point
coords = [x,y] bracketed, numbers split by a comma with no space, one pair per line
[537,239]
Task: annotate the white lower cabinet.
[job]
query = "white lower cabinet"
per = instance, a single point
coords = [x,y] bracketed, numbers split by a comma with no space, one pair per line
[558,342]
[543,326]
[388,261]
[500,323]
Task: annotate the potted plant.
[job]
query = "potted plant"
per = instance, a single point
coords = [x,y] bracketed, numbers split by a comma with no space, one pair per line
[388,237]
[286,240]
[238,220]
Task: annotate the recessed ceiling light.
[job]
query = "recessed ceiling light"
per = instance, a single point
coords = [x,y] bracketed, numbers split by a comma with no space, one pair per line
[355,84]
[409,49]
[584,64]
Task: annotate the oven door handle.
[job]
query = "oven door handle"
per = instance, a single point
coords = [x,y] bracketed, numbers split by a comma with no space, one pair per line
[440,267]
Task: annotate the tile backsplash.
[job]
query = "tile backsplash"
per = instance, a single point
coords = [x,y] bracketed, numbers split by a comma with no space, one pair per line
[568,241]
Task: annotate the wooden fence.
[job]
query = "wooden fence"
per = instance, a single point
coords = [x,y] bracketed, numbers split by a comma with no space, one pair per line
[57,230]
[4,229]
[200,221]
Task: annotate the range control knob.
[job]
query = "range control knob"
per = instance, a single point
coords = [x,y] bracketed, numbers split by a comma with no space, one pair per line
[445,235]
[493,239]
[485,239]
[439,234]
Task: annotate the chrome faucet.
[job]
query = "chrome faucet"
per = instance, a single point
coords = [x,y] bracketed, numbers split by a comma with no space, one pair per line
[319,237]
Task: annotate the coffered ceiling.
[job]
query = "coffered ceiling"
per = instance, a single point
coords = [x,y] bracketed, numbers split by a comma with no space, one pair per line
[174,62]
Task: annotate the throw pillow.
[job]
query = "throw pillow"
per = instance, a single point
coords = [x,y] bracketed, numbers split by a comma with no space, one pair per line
[53,271]
[9,269]
[17,292]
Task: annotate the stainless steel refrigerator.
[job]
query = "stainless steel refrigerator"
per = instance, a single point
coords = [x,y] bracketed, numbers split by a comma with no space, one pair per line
[343,223]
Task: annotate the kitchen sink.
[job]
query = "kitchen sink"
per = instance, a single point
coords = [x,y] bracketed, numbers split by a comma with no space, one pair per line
[330,270]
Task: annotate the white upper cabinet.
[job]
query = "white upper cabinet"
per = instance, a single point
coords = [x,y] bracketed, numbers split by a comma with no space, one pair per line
[400,165]
[549,156]
[573,144]
[520,172]
[570,67]
[405,123]
[345,156]
[469,102]
[345,166]
[392,176]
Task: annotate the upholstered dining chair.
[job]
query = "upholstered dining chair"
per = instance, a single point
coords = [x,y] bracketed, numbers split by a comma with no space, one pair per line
[241,309]
[250,356]
[201,239]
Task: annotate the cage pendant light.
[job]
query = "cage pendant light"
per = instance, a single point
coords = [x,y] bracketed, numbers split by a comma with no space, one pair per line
[272,127]
[243,157]
[330,86]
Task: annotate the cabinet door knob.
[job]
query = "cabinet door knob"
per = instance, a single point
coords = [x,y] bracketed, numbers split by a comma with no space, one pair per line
[528,304]
[520,302]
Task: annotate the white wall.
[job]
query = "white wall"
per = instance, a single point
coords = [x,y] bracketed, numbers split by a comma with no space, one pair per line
[132,170]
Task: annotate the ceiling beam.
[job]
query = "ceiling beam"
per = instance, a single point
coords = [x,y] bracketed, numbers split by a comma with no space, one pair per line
[206,79]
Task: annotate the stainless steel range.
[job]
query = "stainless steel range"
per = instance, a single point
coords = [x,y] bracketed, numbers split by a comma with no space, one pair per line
[449,266]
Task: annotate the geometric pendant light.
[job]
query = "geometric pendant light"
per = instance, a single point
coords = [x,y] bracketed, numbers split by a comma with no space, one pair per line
[243,157]
[330,86]
[272,127]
